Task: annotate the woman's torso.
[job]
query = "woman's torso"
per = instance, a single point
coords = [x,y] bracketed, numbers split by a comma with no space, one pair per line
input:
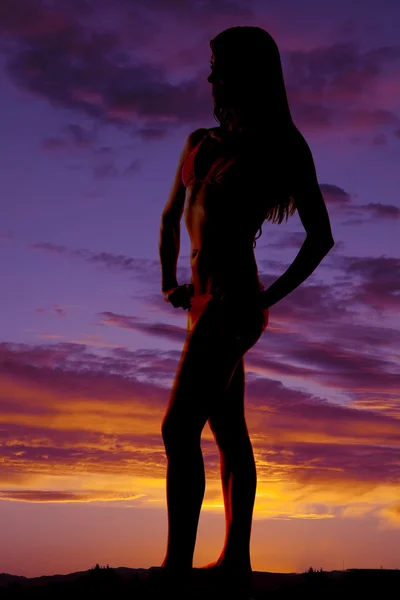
[224,209]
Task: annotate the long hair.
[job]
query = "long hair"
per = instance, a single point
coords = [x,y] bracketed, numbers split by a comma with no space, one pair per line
[254,73]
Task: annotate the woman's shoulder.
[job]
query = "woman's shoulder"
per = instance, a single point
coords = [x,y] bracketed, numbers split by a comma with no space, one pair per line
[197,135]
[216,132]
[298,141]
[302,157]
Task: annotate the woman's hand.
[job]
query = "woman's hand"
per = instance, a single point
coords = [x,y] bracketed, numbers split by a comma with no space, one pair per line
[180,296]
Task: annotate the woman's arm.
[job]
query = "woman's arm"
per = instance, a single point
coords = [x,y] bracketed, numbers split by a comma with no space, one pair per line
[315,219]
[310,255]
[169,240]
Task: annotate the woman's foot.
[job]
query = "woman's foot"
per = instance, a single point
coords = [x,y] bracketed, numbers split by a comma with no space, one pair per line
[169,576]
[227,574]
[226,565]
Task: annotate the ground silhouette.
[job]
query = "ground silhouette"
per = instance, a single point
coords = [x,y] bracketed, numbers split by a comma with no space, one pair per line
[138,584]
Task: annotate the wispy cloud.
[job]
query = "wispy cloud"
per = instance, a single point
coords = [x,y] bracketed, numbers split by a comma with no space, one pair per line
[52,496]
[62,54]
[67,411]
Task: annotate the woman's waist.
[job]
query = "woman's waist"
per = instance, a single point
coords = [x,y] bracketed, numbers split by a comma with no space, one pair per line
[224,261]
[236,285]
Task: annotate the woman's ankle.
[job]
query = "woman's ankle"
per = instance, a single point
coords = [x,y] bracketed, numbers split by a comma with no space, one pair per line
[231,564]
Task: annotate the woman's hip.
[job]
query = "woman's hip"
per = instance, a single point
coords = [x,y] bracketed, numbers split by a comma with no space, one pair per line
[239,319]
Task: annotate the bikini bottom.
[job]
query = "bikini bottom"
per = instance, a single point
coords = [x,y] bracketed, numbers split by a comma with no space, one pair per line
[242,317]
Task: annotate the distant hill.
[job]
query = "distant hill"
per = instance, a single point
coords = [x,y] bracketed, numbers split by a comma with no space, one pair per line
[5,578]
[140,584]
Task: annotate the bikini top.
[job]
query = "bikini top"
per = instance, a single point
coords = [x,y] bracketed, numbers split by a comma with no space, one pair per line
[215,173]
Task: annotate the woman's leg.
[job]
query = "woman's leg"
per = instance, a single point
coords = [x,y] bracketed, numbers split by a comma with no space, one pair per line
[193,393]
[209,358]
[238,473]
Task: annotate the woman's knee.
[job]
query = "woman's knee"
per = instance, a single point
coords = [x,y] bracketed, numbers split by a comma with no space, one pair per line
[231,440]
[178,436]
[167,429]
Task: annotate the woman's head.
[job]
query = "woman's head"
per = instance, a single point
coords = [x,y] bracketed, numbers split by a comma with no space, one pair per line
[247,78]
[249,90]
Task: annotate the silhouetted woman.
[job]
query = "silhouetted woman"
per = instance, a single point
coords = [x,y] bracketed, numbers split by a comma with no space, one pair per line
[255,166]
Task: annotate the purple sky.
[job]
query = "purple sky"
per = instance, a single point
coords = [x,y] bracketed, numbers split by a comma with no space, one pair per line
[97,98]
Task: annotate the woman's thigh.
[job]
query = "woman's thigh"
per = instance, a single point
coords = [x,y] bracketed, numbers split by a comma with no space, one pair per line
[227,418]
[218,337]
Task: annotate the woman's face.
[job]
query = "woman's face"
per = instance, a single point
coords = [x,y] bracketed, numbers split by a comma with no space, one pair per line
[215,77]
[220,78]
[228,81]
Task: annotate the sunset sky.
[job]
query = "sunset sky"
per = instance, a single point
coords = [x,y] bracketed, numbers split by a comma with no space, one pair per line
[96,100]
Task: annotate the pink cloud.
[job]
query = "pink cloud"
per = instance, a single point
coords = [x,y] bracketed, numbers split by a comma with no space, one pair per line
[76,66]
[291,428]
